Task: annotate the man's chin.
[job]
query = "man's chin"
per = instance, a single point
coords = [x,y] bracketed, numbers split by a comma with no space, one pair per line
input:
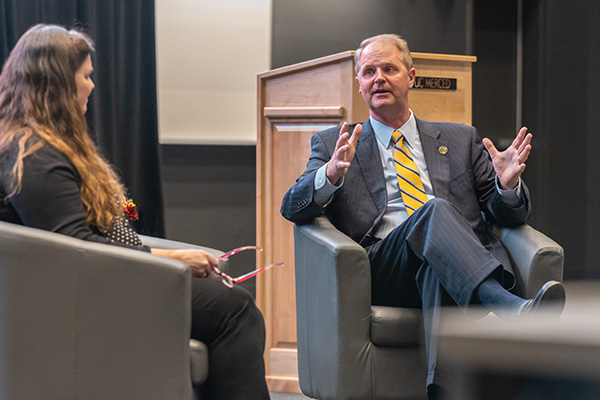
[382,95]
[378,104]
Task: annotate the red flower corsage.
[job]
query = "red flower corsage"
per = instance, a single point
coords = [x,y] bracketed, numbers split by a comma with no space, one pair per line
[130,210]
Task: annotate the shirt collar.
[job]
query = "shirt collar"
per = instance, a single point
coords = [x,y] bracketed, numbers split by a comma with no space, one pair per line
[384,132]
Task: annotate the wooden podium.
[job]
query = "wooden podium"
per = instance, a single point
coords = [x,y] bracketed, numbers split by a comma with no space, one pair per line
[293,103]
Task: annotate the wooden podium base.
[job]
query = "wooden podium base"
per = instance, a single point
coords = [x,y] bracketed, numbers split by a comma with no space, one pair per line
[285,362]
[283,384]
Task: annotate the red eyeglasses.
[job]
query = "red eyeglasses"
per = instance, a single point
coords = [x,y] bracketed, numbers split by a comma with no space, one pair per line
[228,280]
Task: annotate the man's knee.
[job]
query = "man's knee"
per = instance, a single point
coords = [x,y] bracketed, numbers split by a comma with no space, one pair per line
[440,210]
[438,204]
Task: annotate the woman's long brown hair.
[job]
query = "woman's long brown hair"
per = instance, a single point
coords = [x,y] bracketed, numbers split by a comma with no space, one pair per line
[38,106]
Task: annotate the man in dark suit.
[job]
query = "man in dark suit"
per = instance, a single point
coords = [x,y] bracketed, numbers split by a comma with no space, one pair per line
[430,255]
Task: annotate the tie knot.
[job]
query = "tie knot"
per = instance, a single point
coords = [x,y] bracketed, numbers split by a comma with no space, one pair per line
[396,136]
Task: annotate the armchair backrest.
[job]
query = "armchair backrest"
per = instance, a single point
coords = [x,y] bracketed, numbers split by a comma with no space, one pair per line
[82,320]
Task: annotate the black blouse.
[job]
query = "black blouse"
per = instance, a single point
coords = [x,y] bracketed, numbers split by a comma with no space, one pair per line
[50,199]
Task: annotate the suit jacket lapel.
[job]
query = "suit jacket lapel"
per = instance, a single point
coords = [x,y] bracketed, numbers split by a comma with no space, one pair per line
[369,161]
[438,161]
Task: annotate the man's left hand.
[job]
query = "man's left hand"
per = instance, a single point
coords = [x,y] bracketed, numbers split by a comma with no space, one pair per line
[510,163]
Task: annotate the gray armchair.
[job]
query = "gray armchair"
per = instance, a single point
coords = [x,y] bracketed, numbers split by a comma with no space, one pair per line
[348,349]
[82,320]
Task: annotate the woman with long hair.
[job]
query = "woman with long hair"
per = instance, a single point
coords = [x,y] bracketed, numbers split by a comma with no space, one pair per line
[53,177]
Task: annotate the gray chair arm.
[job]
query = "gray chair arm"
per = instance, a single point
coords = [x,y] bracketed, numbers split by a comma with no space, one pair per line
[333,301]
[91,321]
[536,258]
[199,362]
[198,350]
[159,243]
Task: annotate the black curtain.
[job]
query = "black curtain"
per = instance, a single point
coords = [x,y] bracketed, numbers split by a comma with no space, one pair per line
[561,106]
[122,111]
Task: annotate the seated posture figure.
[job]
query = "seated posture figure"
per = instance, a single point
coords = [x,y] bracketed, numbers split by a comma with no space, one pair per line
[52,177]
[414,194]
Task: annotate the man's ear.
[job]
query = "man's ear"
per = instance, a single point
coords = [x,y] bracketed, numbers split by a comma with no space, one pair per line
[412,75]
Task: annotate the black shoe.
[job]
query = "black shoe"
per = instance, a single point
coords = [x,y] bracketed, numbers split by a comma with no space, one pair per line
[550,297]
[436,392]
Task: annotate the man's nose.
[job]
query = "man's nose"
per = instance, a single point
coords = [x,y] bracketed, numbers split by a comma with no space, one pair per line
[379,75]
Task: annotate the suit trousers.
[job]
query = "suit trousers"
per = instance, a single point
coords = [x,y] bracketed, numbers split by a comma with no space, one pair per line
[229,323]
[433,259]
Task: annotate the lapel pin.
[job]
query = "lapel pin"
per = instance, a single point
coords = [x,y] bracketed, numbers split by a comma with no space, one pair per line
[443,150]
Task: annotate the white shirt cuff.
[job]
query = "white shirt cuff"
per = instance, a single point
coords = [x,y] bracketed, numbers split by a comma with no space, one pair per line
[512,197]
[324,189]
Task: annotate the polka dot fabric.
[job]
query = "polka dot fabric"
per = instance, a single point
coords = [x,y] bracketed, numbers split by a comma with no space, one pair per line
[122,232]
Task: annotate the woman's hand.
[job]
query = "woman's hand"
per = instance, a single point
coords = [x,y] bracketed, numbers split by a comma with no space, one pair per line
[201,262]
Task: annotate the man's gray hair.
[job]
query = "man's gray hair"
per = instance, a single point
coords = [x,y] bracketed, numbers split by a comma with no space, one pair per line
[391,38]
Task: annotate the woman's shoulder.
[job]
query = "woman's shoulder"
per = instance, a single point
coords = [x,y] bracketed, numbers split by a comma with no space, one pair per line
[49,152]
[40,151]
[46,162]
[49,156]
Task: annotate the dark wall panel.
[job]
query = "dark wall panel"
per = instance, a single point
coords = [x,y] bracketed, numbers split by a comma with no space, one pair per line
[495,72]
[307,29]
[561,102]
[210,198]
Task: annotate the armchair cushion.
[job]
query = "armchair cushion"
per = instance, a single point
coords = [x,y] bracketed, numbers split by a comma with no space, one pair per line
[394,326]
[198,362]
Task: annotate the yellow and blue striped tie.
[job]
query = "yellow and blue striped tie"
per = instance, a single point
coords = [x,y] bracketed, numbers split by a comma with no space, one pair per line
[409,179]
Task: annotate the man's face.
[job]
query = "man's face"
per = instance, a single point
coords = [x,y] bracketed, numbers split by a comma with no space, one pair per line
[383,79]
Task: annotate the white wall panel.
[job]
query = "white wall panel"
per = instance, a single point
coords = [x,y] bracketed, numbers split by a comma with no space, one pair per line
[208,55]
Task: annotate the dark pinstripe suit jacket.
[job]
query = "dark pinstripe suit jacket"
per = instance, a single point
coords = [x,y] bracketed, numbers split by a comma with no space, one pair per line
[464,176]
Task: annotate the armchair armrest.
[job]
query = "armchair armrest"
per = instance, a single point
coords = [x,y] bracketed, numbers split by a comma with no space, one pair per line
[333,301]
[158,243]
[172,244]
[536,258]
[198,351]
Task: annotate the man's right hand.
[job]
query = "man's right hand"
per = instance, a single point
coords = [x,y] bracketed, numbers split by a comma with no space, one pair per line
[345,148]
